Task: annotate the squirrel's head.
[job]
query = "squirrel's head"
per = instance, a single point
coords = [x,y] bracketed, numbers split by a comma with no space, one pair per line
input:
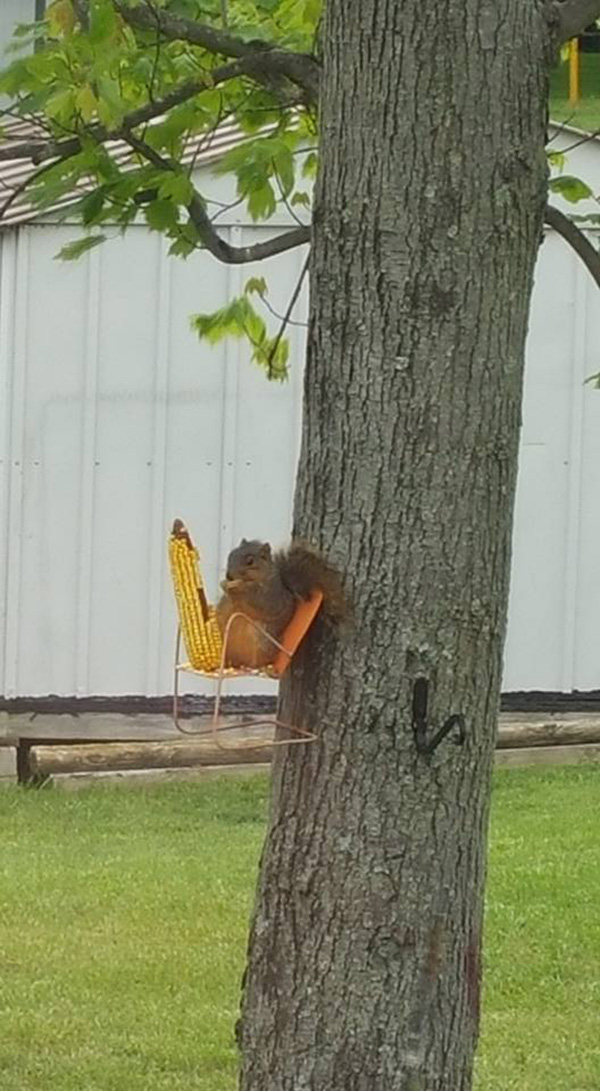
[250,561]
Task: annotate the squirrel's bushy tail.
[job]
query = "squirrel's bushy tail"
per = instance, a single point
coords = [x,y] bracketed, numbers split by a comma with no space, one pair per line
[303,570]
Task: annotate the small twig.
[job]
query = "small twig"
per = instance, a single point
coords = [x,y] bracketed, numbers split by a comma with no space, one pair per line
[82,11]
[281,317]
[218,247]
[38,150]
[284,198]
[20,189]
[584,140]
[560,126]
[286,318]
[264,62]
[156,54]
[223,208]
[205,143]
[32,119]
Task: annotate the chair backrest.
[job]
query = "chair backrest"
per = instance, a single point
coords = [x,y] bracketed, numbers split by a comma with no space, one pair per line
[296,630]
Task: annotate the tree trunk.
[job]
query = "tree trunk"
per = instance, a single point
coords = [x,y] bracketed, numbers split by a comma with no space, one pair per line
[364,962]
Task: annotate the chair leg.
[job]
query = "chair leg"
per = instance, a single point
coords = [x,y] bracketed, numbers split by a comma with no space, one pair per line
[176,680]
[304,736]
[250,744]
[301,733]
[217,728]
[176,672]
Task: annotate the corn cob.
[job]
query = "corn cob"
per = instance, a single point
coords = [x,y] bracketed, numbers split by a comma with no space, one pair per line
[199,627]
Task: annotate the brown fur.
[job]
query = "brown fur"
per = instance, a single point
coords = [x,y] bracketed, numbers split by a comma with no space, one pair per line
[266,589]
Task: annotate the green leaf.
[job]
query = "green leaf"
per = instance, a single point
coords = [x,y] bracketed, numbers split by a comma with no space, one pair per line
[309,166]
[111,107]
[590,218]
[254,328]
[162,215]
[300,198]
[261,202]
[61,106]
[182,247]
[273,357]
[103,23]
[312,11]
[178,187]
[239,319]
[23,30]
[186,241]
[86,102]
[256,163]
[91,206]
[570,188]
[61,17]
[256,285]
[283,162]
[73,250]
[594,380]
[556,159]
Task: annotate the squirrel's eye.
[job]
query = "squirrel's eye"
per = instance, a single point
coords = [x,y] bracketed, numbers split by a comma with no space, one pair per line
[249,561]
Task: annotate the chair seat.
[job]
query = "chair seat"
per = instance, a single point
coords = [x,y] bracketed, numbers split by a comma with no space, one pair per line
[228,672]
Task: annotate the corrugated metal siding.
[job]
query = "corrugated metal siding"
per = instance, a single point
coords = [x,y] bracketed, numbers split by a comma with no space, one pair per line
[114,420]
[554,616]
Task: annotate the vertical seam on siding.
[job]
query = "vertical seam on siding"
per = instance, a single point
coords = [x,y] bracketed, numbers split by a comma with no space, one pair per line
[158,531]
[16,449]
[7,333]
[229,417]
[87,476]
[574,483]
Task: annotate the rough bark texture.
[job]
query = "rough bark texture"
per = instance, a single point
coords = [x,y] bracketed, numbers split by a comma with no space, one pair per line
[364,964]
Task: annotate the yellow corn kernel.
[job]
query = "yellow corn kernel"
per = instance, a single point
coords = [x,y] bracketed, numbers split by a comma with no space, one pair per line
[202,638]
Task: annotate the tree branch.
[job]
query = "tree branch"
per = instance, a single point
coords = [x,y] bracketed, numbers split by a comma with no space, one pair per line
[40,150]
[82,12]
[178,28]
[286,318]
[576,239]
[240,255]
[263,61]
[217,246]
[19,190]
[573,16]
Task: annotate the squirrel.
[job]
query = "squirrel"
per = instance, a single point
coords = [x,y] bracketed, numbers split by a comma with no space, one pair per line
[267,587]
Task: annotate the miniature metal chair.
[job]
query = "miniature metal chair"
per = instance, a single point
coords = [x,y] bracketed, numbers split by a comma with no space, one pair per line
[206,647]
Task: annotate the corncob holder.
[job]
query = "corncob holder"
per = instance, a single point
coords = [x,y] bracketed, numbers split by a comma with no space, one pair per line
[206,647]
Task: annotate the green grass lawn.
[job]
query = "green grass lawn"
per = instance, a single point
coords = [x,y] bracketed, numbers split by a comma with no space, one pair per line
[123,923]
[586,115]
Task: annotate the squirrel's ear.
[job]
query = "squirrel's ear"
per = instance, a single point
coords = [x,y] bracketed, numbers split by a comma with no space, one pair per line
[265,551]
[244,542]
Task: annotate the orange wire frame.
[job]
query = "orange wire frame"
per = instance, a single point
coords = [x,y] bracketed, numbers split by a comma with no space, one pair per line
[296,630]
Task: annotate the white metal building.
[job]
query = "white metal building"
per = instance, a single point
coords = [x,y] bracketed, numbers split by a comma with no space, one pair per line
[114,419]
[13,12]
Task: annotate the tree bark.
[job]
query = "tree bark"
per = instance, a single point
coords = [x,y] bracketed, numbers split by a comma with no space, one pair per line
[364,960]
